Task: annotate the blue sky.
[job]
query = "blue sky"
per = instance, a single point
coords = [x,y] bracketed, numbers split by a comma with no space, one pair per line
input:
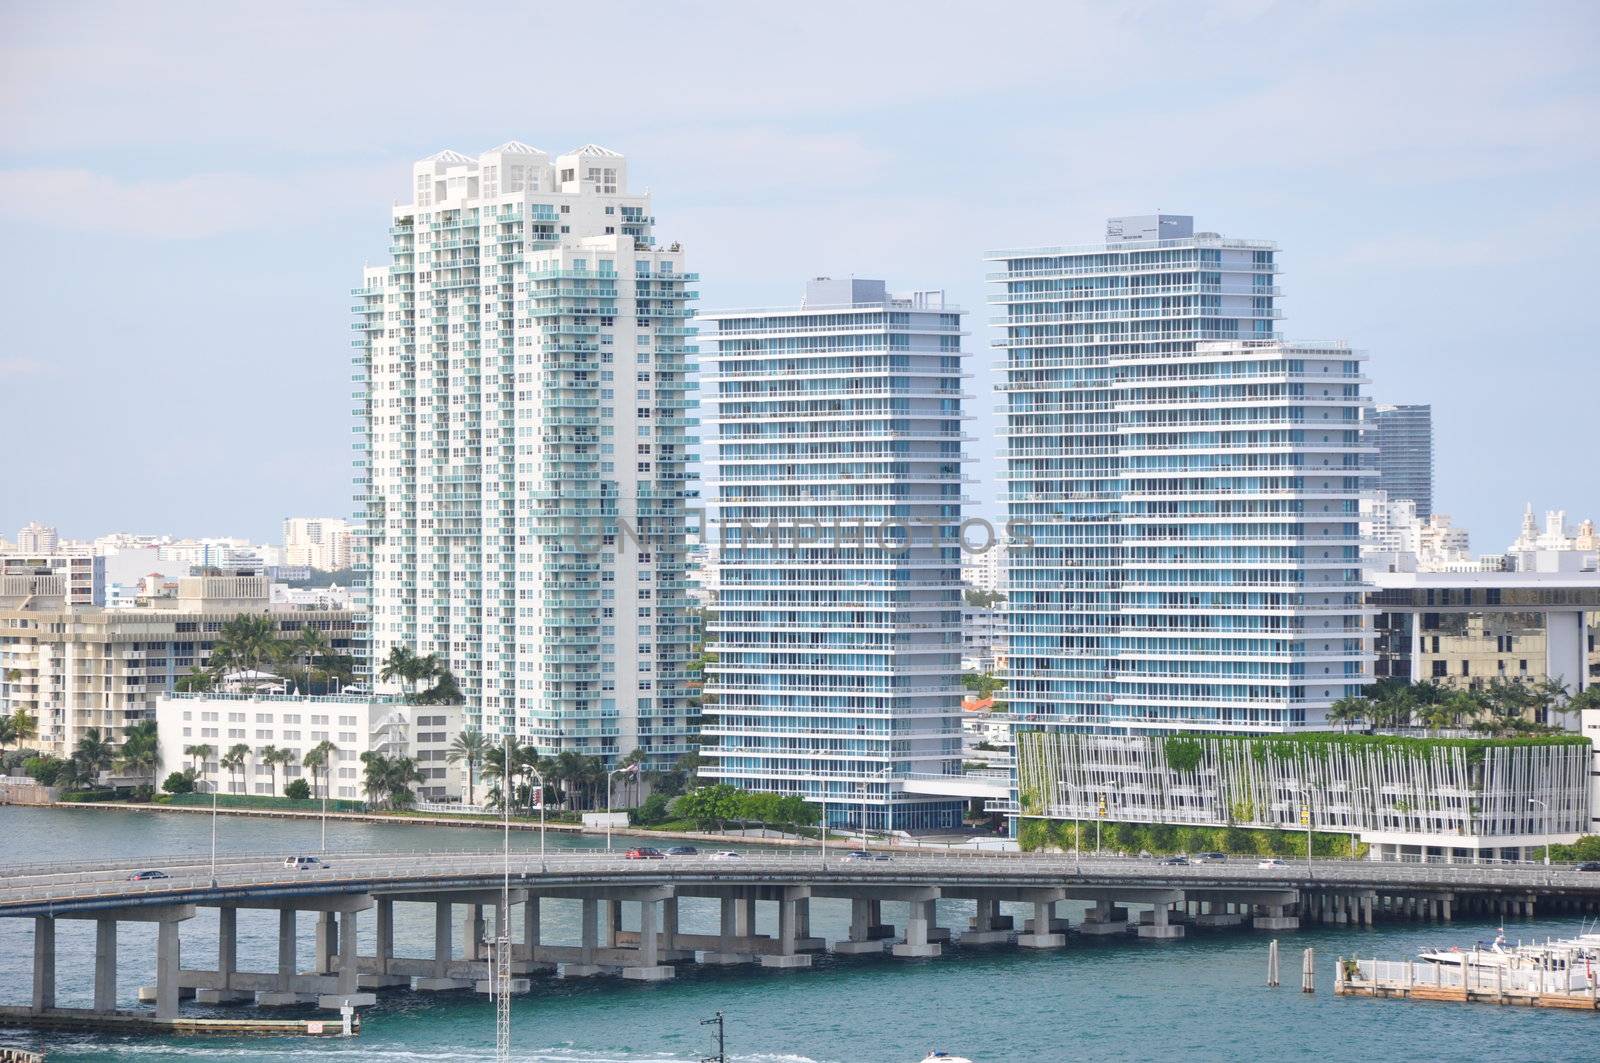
[187,192]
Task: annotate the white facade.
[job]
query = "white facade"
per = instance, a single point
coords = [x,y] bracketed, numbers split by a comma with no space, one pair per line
[983,563]
[355,725]
[37,538]
[527,428]
[322,543]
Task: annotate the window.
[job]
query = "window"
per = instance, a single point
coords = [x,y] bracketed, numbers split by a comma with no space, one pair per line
[1441,669]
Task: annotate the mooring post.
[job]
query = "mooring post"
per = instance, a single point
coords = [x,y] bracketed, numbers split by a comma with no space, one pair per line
[1308,978]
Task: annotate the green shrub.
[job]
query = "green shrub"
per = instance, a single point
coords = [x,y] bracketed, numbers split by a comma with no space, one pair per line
[178,782]
[297,789]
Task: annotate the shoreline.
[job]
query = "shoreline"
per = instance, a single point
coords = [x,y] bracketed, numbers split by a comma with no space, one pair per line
[474,823]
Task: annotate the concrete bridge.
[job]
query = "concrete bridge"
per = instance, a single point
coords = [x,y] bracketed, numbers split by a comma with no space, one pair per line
[469,886]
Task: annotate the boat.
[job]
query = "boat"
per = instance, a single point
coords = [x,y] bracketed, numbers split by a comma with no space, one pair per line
[936,1056]
[1571,963]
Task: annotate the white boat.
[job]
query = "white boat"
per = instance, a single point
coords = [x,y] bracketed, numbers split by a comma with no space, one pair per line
[1570,963]
[936,1056]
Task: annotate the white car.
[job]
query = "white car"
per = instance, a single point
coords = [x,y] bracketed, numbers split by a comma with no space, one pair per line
[1273,863]
[304,863]
[726,854]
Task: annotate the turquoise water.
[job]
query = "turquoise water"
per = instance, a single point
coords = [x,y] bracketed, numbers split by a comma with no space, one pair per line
[1197,999]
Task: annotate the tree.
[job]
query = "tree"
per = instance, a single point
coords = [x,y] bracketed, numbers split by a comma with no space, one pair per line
[297,790]
[179,782]
[246,643]
[24,726]
[388,780]
[401,666]
[310,645]
[982,684]
[140,754]
[94,754]
[633,763]
[470,746]
[271,757]
[198,755]
[198,681]
[980,599]
[1350,710]
[8,731]
[235,759]
[320,758]
[709,806]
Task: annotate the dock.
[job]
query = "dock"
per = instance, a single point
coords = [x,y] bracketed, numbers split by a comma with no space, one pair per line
[1406,980]
[80,1019]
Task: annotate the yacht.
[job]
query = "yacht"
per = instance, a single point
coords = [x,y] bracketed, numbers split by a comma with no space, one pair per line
[937,1056]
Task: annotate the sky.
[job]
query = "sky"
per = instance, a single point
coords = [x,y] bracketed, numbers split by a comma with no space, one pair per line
[189,191]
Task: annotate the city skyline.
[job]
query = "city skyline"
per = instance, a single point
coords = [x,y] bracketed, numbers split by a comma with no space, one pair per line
[1454,153]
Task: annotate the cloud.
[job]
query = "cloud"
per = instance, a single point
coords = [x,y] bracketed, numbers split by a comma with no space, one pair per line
[194,206]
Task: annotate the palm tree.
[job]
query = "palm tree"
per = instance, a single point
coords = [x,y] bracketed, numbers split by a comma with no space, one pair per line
[401,667]
[635,762]
[8,731]
[24,726]
[321,756]
[197,758]
[1350,710]
[246,643]
[310,645]
[388,780]
[141,751]
[235,759]
[271,757]
[470,746]
[94,752]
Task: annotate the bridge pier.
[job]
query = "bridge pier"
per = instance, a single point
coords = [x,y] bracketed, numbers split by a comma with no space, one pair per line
[1105,918]
[1160,926]
[44,963]
[105,965]
[919,918]
[438,979]
[728,933]
[282,994]
[227,962]
[795,899]
[988,926]
[860,940]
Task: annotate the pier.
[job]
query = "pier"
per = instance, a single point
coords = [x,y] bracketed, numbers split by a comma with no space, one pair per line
[1409,980]
[891,903]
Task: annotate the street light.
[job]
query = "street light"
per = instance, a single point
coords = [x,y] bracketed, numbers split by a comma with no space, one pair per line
[1546,817]
[540,780]
[609,774]
[214,786]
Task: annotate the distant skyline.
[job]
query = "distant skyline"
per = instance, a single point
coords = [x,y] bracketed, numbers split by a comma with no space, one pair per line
[188,192]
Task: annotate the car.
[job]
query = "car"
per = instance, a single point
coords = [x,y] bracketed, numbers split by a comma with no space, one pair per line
[304,863]
[726,854]
[1175,861]
[683,850]
[1210,858]
[1588,865]
[146,876]
[645,852]
[865,854]
[1272,863]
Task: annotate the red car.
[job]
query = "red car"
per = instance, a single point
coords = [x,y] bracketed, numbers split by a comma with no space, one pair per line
[644,852]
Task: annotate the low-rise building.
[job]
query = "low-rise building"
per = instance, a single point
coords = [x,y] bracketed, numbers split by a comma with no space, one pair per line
[297,724]
[1464,629]
[74,667]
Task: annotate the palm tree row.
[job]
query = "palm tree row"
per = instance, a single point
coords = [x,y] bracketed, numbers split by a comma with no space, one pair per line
[406,668]
[388,780]
[250,643]
[570,779]
[1501,707]
[19,727]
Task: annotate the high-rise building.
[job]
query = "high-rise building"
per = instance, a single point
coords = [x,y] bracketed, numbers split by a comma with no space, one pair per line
[1183,489]
[524,472]
[1404,438]
[837,632]
[37,538]
[317,542]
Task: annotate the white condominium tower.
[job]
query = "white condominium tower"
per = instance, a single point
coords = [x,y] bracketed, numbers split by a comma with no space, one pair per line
[528,434]
[1185,489]
[837,631]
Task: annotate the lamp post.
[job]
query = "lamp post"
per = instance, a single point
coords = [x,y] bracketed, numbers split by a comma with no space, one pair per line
[863,813]
[609,775]
[888,803]
[539,779]
[1545,809]
[214,786]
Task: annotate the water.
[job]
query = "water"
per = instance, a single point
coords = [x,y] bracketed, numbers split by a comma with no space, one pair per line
[1199,999]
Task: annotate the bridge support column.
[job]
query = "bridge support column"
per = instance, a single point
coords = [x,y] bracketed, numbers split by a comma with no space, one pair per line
[347,988]
[1275,919]
[439,978]
[105,965]
[669,924]
[860,939]
[987,926]
[168,964]
[589,938]
[1045,931]
[1366,909]
[472,931]
[44,962]
[788,934]
[530,925]
[384,943]
[282,994]
[611,922]
[728,933]
[919,917]
[1160,927]
[650,968]
[227,963]
[327,943]
[1104,918]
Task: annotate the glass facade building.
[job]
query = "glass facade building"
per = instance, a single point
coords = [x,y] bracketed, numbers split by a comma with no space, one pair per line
[1183,489]
[836,632]
[523,458]
[1404,438]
